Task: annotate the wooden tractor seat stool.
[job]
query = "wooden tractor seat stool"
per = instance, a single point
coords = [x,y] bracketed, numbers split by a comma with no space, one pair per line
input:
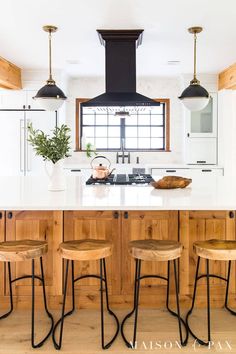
[216,250]
[86,250]
[154,250]
[23,250]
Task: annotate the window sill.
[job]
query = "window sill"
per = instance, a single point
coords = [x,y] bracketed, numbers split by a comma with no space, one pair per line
[131,151]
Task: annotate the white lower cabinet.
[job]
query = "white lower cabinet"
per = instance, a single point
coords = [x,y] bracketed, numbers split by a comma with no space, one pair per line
[188,172]
[85,172]
[183,172]
[201,151]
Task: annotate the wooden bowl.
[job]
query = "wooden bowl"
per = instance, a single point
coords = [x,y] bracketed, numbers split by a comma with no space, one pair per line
[171,182]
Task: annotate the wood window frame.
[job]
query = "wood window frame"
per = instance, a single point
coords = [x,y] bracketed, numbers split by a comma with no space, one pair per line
[77,123]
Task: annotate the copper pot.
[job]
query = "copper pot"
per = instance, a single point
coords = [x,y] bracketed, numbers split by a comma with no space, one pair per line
[101,171]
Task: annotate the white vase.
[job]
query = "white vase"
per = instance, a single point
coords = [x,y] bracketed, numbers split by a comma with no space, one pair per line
[56,176]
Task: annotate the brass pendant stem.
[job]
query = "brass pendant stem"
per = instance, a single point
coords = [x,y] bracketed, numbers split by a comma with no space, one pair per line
[195,30]
[50,55]
[195,57]
[50,29]
[195,81]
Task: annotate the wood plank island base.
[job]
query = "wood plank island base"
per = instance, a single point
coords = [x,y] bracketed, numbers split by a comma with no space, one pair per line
[29,211]
[119,228]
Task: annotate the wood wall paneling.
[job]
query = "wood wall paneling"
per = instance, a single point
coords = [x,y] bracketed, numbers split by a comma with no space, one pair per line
[37,225]
[97,225]
[204,225]
[147,225]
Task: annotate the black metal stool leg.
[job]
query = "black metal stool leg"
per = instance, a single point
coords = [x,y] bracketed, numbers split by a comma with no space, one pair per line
[200,341]
[101,305]
[45,306]
[168,287]
[180,320]
[128,344]
[32,307]
[10,293]
[137,280]
[227,286]
[208,302]
[177,303]
[227,291]
[73,288]
[106,346]
[63,315]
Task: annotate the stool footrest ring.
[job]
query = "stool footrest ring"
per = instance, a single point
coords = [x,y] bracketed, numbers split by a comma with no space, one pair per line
[208,276]
[138,277]
[102,279]
[33,277]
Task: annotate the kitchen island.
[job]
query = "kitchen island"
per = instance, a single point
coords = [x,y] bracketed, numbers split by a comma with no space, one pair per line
[205,209]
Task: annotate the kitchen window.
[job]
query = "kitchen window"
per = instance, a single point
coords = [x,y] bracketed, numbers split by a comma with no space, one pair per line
[143,130]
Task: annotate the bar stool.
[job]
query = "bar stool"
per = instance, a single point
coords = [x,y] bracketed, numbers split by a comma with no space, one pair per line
[154,250]
[23,250]
[86,250]
[217,250]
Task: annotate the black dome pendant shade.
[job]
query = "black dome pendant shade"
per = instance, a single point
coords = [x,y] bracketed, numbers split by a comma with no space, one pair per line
[50,91]
[194,90]
[195,97]
[50,97]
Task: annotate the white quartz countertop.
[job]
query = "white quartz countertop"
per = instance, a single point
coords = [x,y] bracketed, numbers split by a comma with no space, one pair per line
[147,166]
[31,193]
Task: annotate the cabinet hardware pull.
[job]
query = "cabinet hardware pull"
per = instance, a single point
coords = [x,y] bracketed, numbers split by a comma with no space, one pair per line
[29,106]
[206,170]
[188,135]
[24,106]
[170,170]
[9,215]
[116,215]
[0,215]
[201,161]
[126,215]
[231,214]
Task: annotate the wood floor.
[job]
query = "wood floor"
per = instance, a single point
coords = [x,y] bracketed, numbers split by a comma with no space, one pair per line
[82,333]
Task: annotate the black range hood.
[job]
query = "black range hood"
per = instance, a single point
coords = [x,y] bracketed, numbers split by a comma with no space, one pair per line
[120,47]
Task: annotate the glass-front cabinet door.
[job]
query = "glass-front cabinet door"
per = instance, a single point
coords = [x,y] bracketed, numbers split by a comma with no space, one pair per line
[203,123]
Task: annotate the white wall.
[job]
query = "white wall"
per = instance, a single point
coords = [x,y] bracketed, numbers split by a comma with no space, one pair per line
[158,87]
[226,131]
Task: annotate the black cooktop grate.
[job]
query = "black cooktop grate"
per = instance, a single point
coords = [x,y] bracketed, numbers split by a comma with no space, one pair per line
[123,179]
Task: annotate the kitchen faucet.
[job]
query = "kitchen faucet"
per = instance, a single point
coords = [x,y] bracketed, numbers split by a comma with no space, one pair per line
[122,155]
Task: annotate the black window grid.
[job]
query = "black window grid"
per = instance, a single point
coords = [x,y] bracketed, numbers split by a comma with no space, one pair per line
[122,130]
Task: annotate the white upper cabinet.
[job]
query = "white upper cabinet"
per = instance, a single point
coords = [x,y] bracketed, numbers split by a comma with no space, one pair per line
[12,99]
[18,99]
[203,124]
[201,151]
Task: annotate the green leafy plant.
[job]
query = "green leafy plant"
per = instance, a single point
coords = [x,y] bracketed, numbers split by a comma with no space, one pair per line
[52,148]
[90,150]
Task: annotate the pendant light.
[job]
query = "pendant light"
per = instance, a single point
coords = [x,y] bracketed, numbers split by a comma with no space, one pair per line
[195,97]
[50,97]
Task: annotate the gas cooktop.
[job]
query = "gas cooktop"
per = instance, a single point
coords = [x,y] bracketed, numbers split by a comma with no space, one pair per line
[123,179]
